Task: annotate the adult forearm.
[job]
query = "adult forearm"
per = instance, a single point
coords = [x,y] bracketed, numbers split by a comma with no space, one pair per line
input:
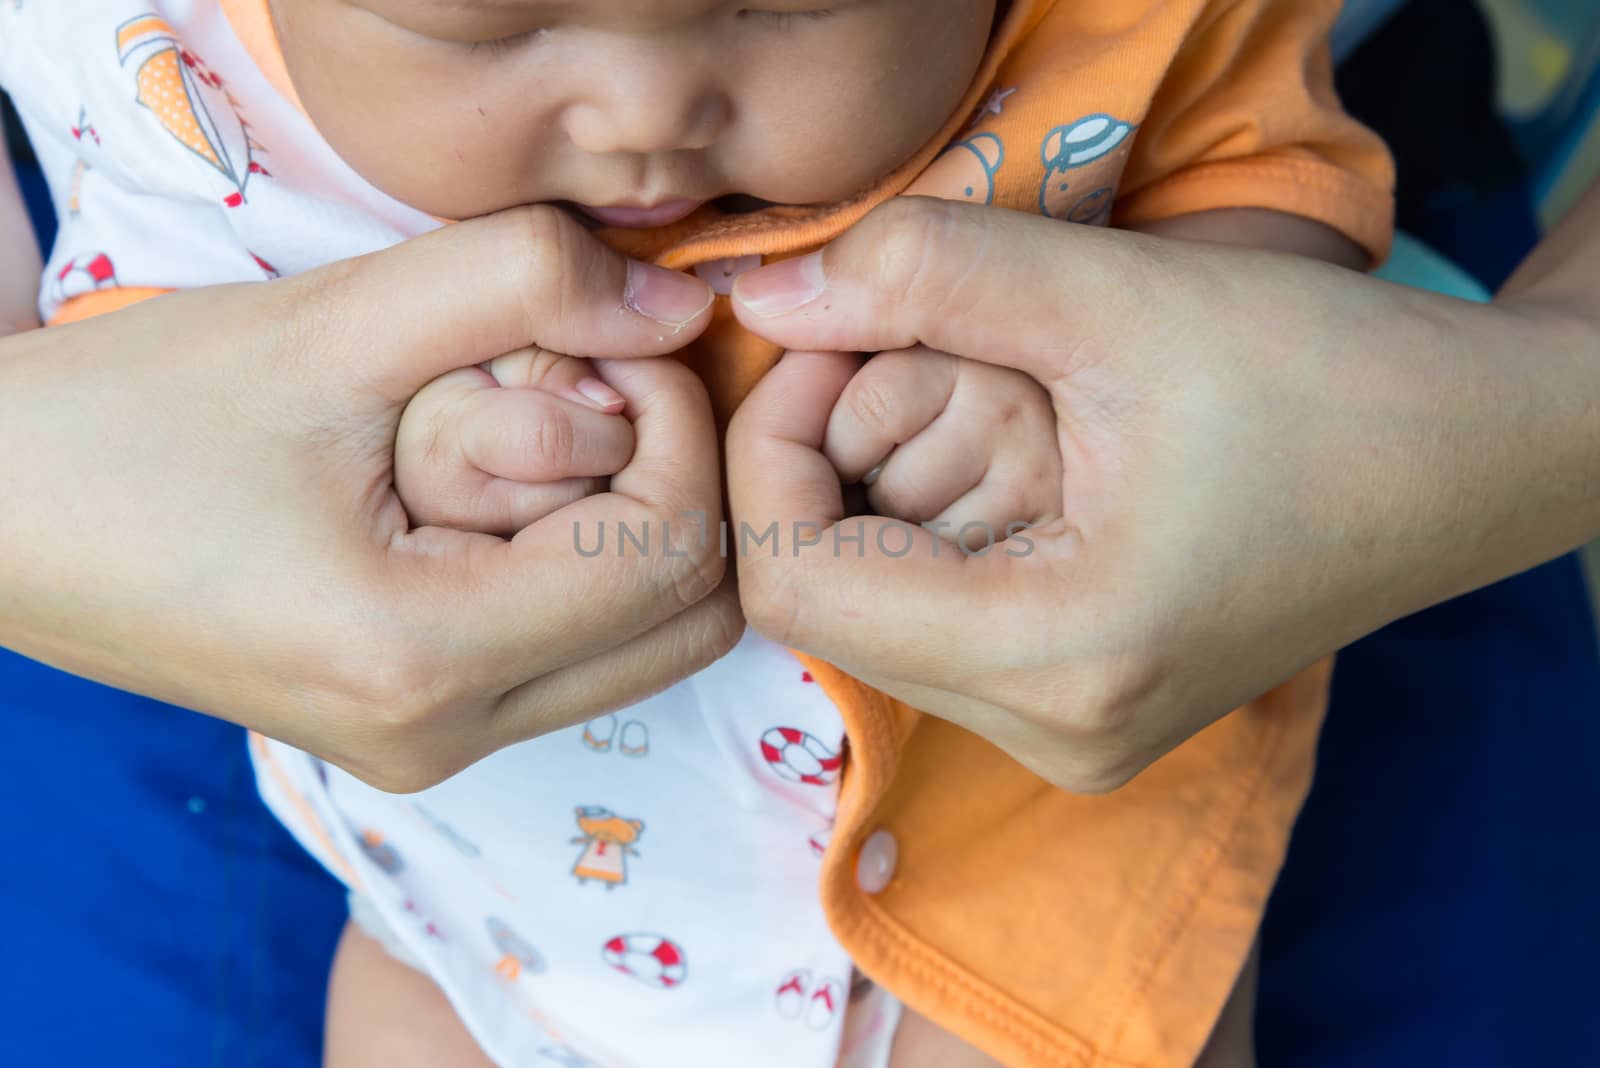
[19,256]
[1532,376]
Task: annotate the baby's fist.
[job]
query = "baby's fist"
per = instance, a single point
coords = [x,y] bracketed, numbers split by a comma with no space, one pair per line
[967,448]
[496,448]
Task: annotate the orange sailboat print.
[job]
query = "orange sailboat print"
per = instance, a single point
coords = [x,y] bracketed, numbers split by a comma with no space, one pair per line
[190,100]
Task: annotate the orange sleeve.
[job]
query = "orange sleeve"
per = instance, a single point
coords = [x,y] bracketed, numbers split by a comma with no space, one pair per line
[102,302]
[1247,117]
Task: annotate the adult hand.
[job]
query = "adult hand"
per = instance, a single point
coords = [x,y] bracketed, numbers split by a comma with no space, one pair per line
[1264,458]
[198,503]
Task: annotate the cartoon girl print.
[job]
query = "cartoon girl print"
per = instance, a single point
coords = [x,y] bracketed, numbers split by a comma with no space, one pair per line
[607,841]
[1085,197]
[190,100]
[965,171]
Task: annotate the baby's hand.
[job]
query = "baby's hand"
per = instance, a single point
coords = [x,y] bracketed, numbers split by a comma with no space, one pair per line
[965,447]
[497,447]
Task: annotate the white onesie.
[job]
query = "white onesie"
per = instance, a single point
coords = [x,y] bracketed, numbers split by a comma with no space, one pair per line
[639,891]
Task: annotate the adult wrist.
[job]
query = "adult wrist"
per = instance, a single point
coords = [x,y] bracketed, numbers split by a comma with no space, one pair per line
[1534,367]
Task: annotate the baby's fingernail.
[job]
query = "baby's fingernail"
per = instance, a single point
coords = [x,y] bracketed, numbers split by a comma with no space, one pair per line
[872,476]
[669,297]
[601,395]
[782,287]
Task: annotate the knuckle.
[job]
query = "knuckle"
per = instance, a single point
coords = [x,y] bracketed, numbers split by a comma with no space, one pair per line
[1066,727]
[539,233]
[872,403]
[699,574]
[1008,414]
[402,772]
[1017,502]
[390,677]
[552,438]
[542,238]
[552,367]
[912,245]
[725,627]
[718,626]
[1091,777]
[899,494]
[769,601]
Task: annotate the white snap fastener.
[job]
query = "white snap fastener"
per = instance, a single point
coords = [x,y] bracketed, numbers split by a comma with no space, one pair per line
[721,274]
[875,866]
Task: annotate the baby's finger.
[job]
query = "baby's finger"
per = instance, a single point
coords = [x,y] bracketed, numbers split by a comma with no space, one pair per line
[478,503]
[529,435]
[933,470]
[565,376]
[888,402]
[1005,502]
[502,507]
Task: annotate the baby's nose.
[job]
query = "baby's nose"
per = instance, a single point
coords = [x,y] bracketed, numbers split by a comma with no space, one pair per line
[632,115]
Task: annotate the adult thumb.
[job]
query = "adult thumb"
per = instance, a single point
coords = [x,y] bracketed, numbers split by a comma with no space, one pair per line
[476,289]
[1003,287]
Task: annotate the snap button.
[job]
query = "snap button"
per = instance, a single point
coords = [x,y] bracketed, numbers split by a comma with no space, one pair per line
[721,274]
[876,863]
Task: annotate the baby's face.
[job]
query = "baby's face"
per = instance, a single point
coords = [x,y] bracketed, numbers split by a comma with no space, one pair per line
[636,110]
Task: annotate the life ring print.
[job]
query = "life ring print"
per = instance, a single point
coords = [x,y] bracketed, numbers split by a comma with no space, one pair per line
[794,755]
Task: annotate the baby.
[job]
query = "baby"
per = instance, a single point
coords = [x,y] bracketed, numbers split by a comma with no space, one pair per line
[644,889]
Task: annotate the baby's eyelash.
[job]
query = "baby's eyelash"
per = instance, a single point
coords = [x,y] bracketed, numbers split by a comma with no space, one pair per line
[785,19]
[501,45]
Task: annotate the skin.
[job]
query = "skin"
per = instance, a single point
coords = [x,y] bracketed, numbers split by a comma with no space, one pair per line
[20,267]
[659,163]
[1341,452]
[299,600]
[697,101]
[498,447]
[1448,490]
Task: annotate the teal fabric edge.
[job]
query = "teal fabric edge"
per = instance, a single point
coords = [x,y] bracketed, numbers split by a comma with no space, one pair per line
[1414,264]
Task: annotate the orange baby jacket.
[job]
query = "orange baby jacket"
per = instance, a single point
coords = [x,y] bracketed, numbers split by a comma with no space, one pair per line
[1045,928]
